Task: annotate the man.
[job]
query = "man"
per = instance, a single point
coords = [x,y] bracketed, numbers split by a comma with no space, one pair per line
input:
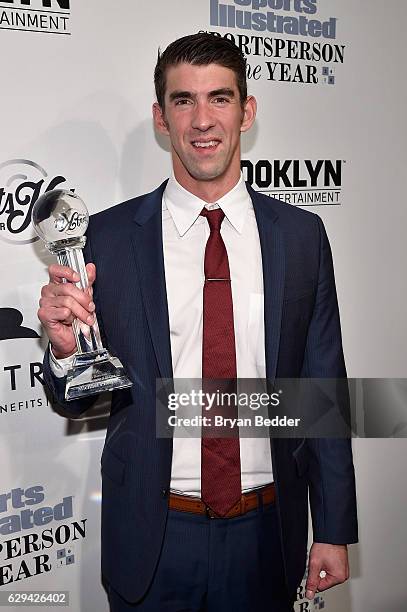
[187,525]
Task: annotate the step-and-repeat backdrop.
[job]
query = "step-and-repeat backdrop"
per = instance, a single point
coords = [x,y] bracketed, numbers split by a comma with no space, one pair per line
[76,96]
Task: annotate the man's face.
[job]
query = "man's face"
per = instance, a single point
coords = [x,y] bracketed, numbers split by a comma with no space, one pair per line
[203,117]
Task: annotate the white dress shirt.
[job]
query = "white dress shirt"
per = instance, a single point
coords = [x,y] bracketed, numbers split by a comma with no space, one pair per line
[185,234]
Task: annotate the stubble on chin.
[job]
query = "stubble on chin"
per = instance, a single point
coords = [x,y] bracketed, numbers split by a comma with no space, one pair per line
[201,173]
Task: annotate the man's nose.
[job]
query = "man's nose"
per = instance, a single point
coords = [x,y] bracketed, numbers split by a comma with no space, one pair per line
[202,118]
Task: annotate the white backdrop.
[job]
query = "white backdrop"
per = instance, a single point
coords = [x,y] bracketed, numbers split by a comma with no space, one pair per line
[76,104]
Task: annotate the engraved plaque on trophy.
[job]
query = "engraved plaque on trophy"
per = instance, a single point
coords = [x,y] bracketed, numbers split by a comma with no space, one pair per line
[60,218]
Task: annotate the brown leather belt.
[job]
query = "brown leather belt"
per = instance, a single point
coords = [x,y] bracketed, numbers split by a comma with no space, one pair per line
[248,501]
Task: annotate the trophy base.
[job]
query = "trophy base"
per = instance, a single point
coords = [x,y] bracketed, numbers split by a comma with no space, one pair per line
[94,372]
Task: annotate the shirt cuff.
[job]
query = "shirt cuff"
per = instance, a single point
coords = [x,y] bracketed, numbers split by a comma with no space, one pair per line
[60,367]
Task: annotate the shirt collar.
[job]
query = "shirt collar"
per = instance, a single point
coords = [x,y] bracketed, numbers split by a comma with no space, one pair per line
[185,207]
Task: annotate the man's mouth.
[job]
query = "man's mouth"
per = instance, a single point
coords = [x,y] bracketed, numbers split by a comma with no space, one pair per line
[205,144]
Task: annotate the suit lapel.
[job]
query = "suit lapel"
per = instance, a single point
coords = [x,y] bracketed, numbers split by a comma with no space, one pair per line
[273,258]
[148,249]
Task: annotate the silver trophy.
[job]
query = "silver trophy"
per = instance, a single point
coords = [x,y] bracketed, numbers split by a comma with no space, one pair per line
[60,219]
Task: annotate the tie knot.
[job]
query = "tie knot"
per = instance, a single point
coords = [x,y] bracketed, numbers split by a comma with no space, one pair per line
[215,217]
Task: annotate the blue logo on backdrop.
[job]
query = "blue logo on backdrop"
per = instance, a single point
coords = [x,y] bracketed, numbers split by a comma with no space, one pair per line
[254,15]
[298,59]
[23,514]
[33,16]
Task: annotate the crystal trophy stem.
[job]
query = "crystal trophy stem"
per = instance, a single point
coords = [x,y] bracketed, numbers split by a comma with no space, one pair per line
[87,336]
[94,370]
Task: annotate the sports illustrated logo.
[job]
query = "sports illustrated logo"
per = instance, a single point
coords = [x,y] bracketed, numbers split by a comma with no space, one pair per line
[23,540]
[298,59]
[33,16]
[299,182]
[21,183]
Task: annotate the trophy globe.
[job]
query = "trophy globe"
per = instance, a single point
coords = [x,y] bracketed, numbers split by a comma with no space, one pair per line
[60,218]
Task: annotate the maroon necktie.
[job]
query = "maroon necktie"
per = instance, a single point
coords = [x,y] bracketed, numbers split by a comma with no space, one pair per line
[220,470]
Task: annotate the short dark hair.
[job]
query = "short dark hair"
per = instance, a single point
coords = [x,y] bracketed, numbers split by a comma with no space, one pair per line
[201,49]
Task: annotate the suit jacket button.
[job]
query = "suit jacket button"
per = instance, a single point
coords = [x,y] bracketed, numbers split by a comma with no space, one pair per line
[164,492]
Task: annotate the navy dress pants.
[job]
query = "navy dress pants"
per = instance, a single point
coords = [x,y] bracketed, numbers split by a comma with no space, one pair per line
[216,565]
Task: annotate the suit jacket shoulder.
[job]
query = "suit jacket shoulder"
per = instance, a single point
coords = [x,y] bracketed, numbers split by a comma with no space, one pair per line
[139,208]
[288,215]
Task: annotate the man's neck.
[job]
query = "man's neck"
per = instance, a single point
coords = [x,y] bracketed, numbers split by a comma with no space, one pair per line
[209,191]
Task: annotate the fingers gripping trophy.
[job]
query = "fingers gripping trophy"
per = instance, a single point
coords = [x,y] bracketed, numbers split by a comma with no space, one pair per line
[60,218]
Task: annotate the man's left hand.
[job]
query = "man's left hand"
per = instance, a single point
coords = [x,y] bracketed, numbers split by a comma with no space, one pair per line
[332,559]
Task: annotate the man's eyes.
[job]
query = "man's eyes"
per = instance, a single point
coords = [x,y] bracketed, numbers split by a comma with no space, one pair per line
[182,101]
[217,100]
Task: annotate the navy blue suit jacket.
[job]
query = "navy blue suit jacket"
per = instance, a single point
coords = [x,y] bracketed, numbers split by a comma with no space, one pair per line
[302,337]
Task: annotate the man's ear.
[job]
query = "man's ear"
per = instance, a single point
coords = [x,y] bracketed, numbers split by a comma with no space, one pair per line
[249,113]
[159,119]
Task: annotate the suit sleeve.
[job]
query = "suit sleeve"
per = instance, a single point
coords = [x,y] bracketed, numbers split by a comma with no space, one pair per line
[331,473]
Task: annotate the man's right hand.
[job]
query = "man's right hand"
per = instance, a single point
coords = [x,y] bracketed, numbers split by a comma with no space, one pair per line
[61,302]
